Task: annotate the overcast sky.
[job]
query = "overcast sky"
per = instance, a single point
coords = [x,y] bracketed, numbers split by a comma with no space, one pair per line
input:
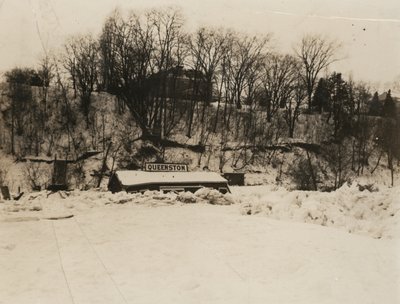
[368,29]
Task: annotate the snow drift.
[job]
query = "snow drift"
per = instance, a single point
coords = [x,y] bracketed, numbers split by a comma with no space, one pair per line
[373,212]
[352,208]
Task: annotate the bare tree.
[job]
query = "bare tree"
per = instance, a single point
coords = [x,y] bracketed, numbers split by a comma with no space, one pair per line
[20,81]
[338,158]
[361,125]
[126,49]
[388,139]
[170,50]
[108,76]
[207,47]
[280,74]
[244,60]
[46,74]
[294,102]
[316,54]
[140,57]
[37,175]
[67,118]
[81,61]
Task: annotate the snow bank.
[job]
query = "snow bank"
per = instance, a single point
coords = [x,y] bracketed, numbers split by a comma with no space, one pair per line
[206,195]
[60,204]
[374,213]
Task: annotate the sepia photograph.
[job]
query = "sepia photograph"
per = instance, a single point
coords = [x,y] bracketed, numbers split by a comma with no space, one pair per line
[199,151]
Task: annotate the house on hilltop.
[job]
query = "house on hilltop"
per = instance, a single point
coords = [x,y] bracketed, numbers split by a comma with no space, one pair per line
[182,84]
[384,104]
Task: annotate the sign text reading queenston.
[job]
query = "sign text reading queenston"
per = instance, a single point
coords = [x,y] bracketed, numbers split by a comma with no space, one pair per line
[156,167]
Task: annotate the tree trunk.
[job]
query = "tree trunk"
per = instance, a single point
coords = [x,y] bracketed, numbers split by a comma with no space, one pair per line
[340,166]
[103,166]
[391,168]
[12,129]
[312,171]
[377,164]
[309,95]
[353,155]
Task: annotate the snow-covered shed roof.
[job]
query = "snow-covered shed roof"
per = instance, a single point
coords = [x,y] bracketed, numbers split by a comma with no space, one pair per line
[129,178]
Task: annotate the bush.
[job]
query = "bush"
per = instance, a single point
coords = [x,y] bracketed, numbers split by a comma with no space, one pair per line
[302,175]
[38,175]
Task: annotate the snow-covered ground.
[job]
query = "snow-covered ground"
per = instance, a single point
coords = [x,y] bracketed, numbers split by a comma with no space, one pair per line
[256,245]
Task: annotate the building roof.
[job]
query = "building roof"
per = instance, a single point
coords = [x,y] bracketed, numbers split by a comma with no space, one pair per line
[382,97]
[130,178]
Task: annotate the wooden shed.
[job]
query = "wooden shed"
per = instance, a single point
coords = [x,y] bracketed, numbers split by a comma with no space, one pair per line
[234,178]
[140,181]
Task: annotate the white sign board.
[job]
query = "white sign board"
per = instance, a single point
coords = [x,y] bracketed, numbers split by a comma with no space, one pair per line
[158,167]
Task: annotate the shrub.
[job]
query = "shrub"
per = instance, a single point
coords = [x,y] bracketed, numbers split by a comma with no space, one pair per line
[302,174]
